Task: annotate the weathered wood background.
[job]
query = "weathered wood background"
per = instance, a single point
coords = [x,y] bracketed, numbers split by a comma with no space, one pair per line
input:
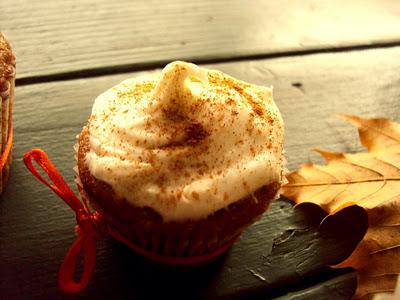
[322,59]
[56,37]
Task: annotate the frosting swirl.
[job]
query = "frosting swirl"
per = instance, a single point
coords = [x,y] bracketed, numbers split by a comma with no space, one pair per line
[185,142]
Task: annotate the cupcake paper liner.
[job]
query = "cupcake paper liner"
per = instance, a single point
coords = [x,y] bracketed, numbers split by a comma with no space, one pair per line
[159,243]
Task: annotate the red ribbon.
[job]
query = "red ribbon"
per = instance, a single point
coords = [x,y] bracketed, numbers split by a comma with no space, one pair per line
[7,150]
[91,227]
[87,224]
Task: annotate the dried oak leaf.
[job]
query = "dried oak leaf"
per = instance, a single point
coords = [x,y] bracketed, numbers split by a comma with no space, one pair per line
[371,180]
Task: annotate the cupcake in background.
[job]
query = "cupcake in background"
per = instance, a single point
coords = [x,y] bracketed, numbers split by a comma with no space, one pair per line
[181,162]
[7,82]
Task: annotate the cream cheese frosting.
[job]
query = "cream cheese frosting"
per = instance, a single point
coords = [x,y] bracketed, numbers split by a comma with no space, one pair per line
[185,142]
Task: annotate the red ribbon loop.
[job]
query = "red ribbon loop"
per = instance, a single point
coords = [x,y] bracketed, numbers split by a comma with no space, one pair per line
[58,185]
[87,224]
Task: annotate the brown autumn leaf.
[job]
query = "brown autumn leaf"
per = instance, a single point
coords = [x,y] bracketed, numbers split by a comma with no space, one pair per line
[371,180]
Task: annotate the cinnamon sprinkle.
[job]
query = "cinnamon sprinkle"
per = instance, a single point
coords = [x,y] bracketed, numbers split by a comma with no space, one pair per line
[238,87]
[195,195]
[137,92]
[194,134]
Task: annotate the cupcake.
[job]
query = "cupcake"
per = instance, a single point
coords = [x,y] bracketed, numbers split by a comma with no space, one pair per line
[180,162]
[7,82]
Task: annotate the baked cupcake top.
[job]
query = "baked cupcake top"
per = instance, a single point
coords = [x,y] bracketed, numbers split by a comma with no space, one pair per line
[185,142]
[7,66]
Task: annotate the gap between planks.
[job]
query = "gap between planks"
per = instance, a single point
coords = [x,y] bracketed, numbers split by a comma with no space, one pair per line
[136,67]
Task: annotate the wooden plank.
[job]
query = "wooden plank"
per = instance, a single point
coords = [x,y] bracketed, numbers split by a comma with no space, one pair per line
[283,254]
[60,37]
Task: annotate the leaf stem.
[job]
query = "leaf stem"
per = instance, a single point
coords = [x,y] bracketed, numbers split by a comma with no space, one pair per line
[379,179]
